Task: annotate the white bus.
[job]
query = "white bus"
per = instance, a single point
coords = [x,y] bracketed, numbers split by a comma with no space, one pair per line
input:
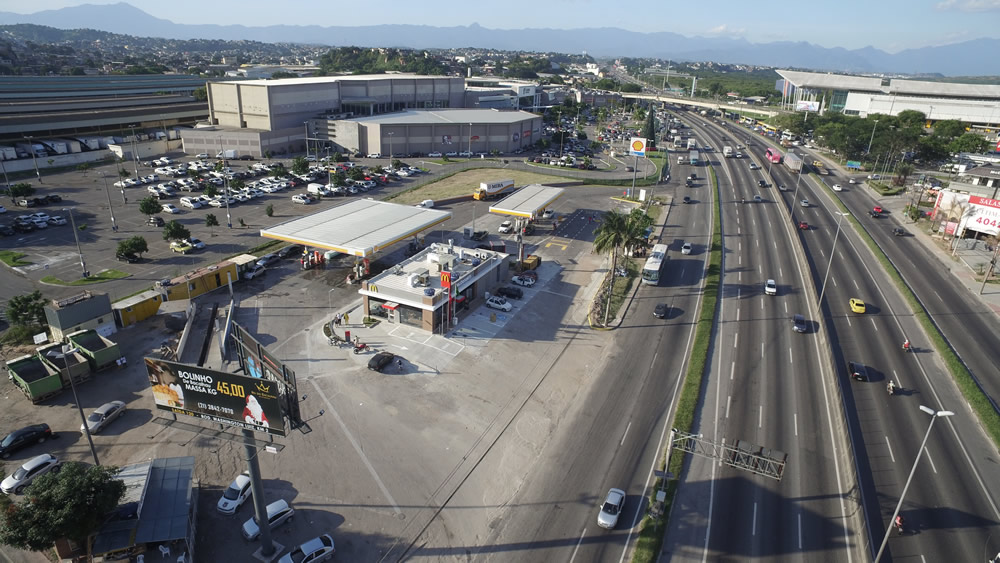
[654,265]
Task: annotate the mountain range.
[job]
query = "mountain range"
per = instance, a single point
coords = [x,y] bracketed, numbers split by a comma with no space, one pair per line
[959,59]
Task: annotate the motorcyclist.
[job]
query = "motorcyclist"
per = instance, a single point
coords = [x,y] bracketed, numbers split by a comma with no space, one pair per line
[899,522]
[891,387]
[743,200]
[906,345]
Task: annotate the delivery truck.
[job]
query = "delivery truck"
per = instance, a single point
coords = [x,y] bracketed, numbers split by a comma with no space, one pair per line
[693,158]
[226,154]
[727,151]
[793,162]
[493,190]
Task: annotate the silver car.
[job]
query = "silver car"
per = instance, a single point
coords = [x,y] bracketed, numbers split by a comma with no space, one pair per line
[32,469]
[103,416]
[613,505]
[278,512]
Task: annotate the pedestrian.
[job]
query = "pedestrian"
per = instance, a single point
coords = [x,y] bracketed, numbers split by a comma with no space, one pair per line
[347,319]
[399,365]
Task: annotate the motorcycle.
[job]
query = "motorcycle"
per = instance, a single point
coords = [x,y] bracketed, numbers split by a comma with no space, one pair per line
[891,388]
[906,346]
[899,524]
[361,347]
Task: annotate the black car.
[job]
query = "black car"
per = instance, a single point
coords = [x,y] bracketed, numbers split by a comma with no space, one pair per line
[660,311]
[127,257]
[155,221]
[24,437]
[686,199]
[380,360]
[292,250]
[510,292]
[6,231]
[40,200]
[857,371]
[899,232]
[762,183]
[24,226]
[799,323]
[54,198]
[246,157]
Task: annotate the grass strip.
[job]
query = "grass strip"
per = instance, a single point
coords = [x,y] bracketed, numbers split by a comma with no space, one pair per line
[13,258]
[106,275]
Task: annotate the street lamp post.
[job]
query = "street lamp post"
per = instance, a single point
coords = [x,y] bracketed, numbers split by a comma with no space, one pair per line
[86,430]
[225,182]
[34,160]
[135,152]
[797,179]
[72,222]
[6,182]
[306,124]
[107,191]
[870,141]
[920,452]
[826,276]
[391,133]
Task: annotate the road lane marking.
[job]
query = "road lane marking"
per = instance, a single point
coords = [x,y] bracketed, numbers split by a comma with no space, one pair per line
[762,350]
[856,284]
[874,325]
[737,315]
[753,531]
[577,548]
[622,443]
[800,530]
[732,370]
[786,308]
[795,422]
[791,356]
[888,445]
[736,339]
[729,399]
[760,416]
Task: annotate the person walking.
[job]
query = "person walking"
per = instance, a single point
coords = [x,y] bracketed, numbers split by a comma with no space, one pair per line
[399,365]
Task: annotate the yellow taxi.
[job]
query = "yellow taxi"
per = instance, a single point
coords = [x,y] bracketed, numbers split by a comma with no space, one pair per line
[857,305]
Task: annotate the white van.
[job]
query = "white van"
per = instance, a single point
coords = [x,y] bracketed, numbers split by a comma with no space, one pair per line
[318,189]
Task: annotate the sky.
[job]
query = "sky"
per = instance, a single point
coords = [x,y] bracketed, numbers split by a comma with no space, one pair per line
[890,25]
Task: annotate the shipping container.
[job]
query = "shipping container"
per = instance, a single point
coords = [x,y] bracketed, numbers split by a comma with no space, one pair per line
[34,378]
[100,352]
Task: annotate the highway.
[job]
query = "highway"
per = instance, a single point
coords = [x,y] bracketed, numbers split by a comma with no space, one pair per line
[764,386]
[950,511]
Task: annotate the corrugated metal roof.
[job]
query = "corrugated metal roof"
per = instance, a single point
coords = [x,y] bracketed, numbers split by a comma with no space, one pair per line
[952,89]
[359,228]
[527,201]
[821,81]
[167,502]
[444,116]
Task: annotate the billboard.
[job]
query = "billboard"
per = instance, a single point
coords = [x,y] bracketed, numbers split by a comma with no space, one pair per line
[637,147]
[967,212]
[803,105]
[216,396]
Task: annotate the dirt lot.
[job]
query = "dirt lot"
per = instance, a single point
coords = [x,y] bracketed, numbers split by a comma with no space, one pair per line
[463,183]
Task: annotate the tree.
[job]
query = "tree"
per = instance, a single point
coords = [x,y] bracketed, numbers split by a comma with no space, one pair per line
[211,190]
[70,503]
[150,206]
[397,164]
[649,129]
[200,94]
[237,184]
[21,189]
[269,210]
[174,230]
[911,118]
[903,171]
[356,173]
[26,310]
[949,128]
[122,173]
[631,88]
[616,232]
[211,222]
[133,245]
[969,142]
[338,178]
[283,74]
[300,165]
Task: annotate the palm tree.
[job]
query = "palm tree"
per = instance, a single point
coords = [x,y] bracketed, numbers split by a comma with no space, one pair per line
[616,232]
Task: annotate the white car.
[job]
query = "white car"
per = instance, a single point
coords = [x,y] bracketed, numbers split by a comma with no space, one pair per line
[837,188]
[497,302]
[467,154]
[524,281]
[548,214]
[611,509]
[804,203]
[56,220]
[237,493]
[434,154]
[852,181]
[39,216]
[375,155]
[201,155]
[770,288]
[193,203]
[312,551]
[3,209]
[39,465]
[169,208]
[300,198]
[403,173]
[686,248]
[506,227]
[278,512]
[452,153]
[195,243]
[739,155]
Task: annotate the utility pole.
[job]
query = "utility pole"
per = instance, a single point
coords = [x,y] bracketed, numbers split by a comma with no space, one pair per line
[114,225]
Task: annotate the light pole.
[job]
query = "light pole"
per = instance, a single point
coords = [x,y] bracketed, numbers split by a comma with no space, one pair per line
[225,180]
[114,225]
[870,141]
[391,133]
[934,416]
[6,182]
[830,263]
[31,149]
[72,222]
[86,429]
[135,152]
[306,124]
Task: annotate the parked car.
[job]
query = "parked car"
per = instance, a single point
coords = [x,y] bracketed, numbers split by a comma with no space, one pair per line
[510,292]
[499,303]
[3,209]
[611,509]
[523,281]
[235,495]
[312,551]
[170,208]
[380,360]
[434,154]
[57,220]
[6,231]
[195,243]
[103,416]
[268,259]
[155,221]
[180,246]
[278,512]
[53,198]
[292,250]
[375,155]
[127,257]
[302,198]
[18,439]
[254,272]
[506,227]
[35,467]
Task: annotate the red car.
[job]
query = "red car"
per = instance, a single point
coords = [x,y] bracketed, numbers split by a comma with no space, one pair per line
[803,226]
[877,209]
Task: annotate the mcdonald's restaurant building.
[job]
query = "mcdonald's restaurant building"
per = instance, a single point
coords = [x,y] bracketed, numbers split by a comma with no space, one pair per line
[431,290]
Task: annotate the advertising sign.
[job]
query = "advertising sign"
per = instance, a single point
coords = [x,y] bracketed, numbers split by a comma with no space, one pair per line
[446,139]
[637,147]
[216,396]
[854,164]
[803,105]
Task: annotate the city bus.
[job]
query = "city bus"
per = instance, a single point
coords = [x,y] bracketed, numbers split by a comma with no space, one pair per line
[772,155]
[654,265]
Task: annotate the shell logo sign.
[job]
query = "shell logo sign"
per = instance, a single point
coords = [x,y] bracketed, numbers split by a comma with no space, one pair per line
[637,147]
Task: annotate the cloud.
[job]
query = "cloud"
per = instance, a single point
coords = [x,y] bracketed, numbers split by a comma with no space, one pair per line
[724,28]
[970,5]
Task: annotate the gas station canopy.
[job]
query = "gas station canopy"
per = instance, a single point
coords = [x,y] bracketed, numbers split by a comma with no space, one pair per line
[359,228]
[528,201]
